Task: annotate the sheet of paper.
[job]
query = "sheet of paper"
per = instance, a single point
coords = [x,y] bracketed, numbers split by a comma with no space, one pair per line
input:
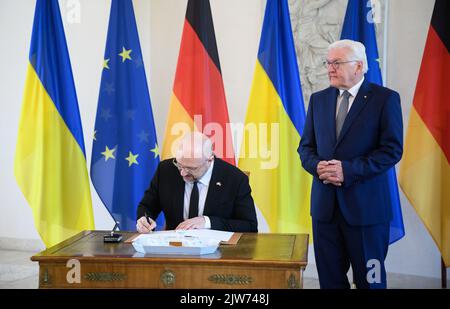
[215,235]
[210,234]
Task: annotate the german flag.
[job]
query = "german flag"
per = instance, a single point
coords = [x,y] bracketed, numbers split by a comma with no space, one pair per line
[425,168]
[198,99]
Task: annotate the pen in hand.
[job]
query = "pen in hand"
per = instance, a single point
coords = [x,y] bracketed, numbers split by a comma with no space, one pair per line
[148,220]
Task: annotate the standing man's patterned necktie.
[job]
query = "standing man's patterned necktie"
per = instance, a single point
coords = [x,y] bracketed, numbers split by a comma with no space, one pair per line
[342,112]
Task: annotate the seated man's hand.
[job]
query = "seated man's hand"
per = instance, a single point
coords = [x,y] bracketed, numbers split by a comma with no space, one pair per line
[142,226]
[191,224]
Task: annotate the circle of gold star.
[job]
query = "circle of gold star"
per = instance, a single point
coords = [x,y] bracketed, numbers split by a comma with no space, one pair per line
[125,54]
[108,153]
[132,159]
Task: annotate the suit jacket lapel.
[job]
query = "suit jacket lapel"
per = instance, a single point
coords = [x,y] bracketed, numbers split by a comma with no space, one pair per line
[358,104]
[178,198]
[216,178]
[331,113]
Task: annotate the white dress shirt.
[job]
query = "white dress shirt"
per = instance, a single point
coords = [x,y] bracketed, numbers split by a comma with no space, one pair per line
[353,92]
[203,185]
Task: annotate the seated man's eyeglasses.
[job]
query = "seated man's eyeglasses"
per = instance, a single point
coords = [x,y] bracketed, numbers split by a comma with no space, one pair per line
[189,170]
[336,64]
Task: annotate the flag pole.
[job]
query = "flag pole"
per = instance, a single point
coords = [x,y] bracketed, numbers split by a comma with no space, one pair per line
[385,42]
[443,274]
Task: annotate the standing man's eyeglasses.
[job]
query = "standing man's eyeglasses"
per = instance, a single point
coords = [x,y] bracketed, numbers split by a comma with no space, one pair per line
[336,64]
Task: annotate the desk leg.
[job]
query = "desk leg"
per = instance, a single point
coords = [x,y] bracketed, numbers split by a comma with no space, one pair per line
[294,279]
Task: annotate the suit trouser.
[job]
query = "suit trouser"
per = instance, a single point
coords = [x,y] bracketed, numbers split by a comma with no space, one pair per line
[338,244]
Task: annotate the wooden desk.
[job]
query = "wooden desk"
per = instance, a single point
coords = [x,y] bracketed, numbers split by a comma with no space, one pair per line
[257,261]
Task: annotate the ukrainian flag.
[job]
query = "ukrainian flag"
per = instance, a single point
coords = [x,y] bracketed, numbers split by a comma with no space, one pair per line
[273,127]
[50,162]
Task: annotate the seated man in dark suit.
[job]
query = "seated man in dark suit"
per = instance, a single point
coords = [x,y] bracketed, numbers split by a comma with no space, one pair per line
[197,190]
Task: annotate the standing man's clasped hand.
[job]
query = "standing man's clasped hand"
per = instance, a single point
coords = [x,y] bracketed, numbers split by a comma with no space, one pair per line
[330,172]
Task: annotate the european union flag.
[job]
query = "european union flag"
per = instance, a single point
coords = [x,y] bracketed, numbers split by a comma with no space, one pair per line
[359,26]
[125,152]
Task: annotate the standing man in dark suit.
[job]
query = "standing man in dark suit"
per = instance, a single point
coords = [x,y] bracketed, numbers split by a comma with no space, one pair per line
[353,135]
[198,191]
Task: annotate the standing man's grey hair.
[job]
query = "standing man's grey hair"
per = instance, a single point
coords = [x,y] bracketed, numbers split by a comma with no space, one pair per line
[357,51]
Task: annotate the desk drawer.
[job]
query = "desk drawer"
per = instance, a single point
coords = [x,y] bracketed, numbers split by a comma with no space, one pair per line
[170,275]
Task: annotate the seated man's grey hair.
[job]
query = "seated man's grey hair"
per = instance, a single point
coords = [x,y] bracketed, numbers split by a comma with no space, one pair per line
[195,145]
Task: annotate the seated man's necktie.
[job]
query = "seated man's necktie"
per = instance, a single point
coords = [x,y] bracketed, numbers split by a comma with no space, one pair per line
[193,203]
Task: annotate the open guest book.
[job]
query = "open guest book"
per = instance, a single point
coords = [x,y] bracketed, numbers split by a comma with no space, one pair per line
[183,242]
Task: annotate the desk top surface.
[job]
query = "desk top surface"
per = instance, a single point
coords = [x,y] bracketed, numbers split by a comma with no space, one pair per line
[251,248]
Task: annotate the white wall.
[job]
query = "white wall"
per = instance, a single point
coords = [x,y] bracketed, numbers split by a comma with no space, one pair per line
[16,19]
[238,25]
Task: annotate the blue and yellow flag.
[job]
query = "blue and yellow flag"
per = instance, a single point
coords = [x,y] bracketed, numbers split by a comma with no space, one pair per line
[359,26]
[273,127]
[125,151]
[50,162]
